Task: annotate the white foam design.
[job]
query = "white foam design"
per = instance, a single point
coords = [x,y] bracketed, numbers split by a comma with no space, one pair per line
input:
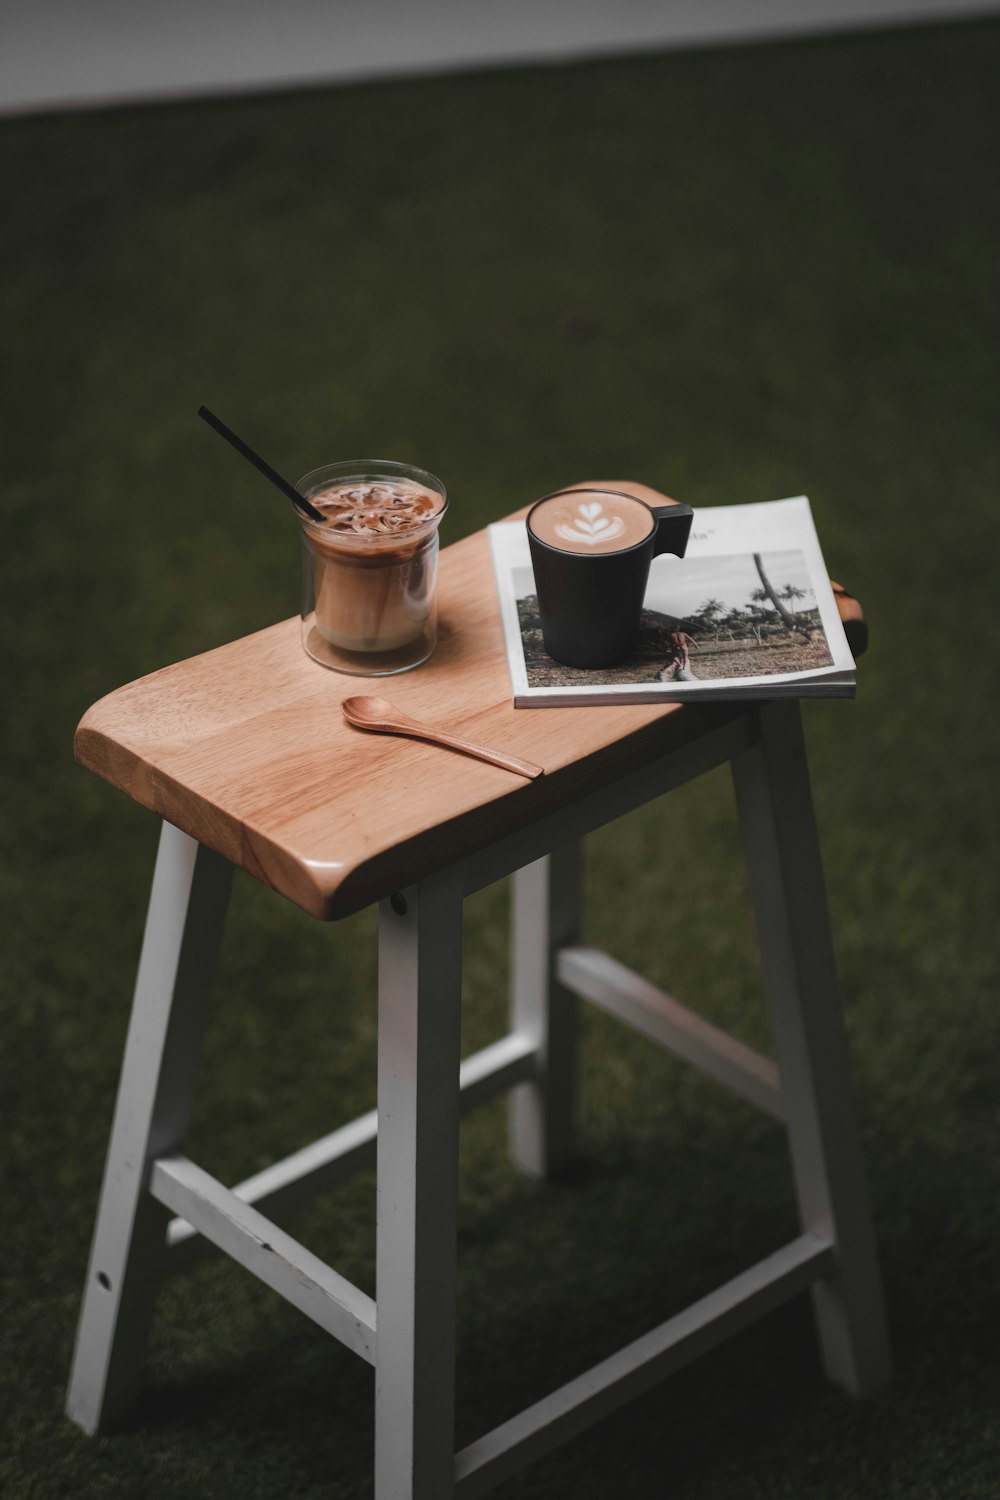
[590,525]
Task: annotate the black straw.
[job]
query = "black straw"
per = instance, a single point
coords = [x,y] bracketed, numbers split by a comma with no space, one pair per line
[297,500]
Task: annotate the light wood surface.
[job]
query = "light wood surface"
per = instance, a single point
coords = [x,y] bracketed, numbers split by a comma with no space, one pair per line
[245,749]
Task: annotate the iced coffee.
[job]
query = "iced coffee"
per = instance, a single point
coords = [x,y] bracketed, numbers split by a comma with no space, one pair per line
[370,566]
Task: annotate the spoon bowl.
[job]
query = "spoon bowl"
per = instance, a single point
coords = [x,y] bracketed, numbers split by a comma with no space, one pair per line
[368,712]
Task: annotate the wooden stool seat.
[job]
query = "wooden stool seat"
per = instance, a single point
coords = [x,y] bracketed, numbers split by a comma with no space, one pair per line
[244,753]
[245,748]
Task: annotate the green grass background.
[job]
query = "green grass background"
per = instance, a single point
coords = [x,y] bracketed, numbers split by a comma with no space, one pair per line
[736,274]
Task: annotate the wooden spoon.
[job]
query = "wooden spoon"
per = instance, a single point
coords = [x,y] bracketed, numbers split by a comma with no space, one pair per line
[382,717]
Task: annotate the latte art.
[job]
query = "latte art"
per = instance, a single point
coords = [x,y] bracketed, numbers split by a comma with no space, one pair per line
[590,525]
[591,521]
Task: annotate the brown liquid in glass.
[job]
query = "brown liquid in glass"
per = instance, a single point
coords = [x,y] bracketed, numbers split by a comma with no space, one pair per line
[374,558]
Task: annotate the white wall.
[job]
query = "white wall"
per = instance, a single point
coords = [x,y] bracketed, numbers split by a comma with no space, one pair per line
[65,53]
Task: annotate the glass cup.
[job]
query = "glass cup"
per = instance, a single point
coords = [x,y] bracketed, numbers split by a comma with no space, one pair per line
[369,585]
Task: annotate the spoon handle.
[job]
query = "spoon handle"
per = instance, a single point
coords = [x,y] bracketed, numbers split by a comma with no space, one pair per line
[467,747]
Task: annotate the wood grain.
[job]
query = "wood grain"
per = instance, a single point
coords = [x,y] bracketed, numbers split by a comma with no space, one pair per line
[245,749]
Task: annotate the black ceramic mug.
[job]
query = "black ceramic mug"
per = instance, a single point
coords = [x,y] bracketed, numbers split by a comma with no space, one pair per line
[591,550]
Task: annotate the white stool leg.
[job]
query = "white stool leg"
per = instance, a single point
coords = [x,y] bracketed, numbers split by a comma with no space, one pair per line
[419,1033]
[183,928]
[545,917]
[787,887]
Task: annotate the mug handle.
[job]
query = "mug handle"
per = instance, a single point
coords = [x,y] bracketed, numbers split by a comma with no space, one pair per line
[673,527]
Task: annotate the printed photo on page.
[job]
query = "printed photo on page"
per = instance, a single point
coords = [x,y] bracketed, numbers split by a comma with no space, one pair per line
[747,613]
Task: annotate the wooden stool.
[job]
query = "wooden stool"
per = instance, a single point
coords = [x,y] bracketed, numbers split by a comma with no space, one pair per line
[245,756]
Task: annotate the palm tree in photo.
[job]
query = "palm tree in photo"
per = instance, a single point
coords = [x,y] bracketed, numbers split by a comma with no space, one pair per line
[767,591]
[709,612]
[790,592]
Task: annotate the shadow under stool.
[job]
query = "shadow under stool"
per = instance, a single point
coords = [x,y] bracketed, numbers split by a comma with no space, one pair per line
[244,755]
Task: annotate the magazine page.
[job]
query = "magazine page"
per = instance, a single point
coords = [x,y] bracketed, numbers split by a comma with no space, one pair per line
[747,613]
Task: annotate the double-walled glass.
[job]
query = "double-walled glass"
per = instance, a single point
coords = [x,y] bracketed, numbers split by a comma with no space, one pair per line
[369,597]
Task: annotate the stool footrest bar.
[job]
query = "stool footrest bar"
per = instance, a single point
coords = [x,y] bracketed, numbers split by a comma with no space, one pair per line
[640,1365]
[597,977]
[332,1301]
[316,1168]
[497,1068]
[325,1163]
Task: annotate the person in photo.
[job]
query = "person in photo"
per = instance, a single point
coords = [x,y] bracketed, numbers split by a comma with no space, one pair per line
[677,667]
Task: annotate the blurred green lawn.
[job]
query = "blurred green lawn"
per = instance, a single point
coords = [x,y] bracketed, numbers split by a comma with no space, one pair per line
[736,275]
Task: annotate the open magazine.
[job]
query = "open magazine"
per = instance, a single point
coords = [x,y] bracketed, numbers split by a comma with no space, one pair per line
[748,613]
